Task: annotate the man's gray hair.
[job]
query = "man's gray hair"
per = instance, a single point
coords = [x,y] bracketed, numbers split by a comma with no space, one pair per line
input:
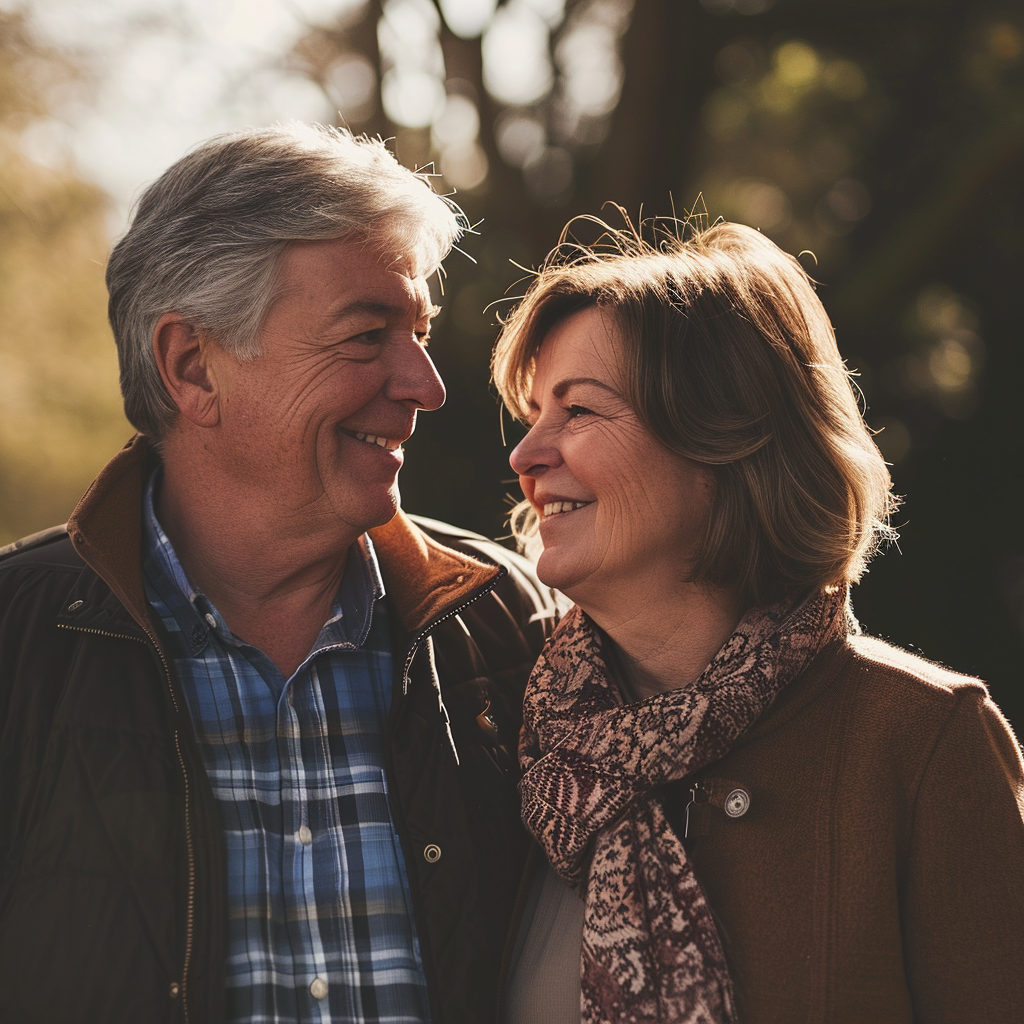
[208,234]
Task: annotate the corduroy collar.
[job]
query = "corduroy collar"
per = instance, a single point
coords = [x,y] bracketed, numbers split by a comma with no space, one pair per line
[424,579]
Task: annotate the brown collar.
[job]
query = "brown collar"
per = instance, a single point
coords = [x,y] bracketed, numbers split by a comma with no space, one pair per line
[424,579]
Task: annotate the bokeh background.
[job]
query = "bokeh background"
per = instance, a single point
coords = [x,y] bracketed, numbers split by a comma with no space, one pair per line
[886,138]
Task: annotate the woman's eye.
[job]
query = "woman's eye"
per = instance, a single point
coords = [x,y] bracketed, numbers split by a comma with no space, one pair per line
[575,411]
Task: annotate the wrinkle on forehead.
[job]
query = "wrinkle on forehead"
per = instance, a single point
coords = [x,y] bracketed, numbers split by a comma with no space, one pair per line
[593,347]
[397,284]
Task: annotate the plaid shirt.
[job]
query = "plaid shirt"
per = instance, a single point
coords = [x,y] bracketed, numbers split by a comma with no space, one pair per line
[319,913]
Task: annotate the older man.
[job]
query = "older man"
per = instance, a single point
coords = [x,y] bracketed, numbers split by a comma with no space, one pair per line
[256,723]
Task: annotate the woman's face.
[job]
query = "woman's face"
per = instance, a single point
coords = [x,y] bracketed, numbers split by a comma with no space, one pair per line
[619,513]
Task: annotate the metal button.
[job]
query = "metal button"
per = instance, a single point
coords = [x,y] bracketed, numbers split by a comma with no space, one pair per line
[737,803]
[175,990]
[75,605]
[432,853]
[211,619]
[305,836]
[318,988]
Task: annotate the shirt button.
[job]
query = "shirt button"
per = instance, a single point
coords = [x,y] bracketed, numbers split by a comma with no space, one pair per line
[211,619]
[737,803]
[305,837]
[432,853]
[318,988]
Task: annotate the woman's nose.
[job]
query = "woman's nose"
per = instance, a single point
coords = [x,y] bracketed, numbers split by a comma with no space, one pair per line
[533,455]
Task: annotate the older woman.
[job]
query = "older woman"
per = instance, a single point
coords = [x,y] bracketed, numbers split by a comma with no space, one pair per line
[751,811]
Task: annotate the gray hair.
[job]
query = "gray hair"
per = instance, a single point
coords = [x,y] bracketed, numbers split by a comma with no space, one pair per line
[208,235]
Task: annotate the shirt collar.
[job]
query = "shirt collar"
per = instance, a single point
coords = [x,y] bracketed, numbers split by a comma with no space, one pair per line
[196,616]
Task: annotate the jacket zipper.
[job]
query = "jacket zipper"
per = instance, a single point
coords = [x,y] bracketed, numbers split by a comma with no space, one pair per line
[433,1000]
[430,627]
[190,904]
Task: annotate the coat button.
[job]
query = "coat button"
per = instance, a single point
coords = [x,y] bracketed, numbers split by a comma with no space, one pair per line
[737,803]
[175,990]
[75,605]
[432,853]
[318,988]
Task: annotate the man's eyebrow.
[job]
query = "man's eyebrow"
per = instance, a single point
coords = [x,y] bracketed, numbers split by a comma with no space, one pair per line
[563,386]
[387,310]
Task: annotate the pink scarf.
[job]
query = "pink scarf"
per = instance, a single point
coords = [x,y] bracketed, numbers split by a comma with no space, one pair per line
[651,952]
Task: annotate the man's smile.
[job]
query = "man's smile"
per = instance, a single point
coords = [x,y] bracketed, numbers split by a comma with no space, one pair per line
[390,444]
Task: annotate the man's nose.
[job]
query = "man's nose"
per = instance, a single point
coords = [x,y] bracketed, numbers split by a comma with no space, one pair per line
[416,379]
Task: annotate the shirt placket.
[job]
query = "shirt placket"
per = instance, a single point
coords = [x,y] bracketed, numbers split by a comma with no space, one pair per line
[298,814]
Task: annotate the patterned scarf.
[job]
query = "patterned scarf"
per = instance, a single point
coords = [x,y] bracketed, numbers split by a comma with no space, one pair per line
[651,952]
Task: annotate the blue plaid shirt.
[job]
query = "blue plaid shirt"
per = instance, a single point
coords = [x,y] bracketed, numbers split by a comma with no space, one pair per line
[319,914]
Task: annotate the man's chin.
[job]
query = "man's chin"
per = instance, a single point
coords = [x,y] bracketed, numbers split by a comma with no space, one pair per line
[371,512]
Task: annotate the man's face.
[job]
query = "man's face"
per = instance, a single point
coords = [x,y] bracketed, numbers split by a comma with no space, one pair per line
[312,428]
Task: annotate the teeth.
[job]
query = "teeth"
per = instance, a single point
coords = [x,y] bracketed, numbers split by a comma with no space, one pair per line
[380,442]
[554,507]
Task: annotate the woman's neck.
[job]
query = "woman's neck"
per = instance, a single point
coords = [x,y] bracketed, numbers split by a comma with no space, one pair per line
[664,642]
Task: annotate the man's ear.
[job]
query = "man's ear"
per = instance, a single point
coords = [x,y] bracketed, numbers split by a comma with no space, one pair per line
[182,357]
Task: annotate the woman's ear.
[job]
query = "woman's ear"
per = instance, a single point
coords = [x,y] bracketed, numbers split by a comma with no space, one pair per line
[182,356]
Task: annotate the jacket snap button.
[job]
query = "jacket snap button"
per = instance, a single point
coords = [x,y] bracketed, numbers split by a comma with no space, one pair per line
[737,803]
[175,990]
[75,605]
[432,853]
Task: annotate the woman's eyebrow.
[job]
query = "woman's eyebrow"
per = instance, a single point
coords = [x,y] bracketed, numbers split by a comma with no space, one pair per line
[563,386]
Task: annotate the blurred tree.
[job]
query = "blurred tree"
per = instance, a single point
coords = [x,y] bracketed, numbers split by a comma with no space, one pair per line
[884,136]
[61,414]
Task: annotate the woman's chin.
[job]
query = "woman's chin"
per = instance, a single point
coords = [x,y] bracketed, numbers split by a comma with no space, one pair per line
[553,571]
[571,576]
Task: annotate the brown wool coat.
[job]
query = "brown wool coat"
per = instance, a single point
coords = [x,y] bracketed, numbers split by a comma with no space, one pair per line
[877,876]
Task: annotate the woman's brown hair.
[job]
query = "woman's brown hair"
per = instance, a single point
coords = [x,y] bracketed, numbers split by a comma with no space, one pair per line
[730,361]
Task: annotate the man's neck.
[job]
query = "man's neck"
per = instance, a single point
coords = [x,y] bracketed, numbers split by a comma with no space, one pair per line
[274,587]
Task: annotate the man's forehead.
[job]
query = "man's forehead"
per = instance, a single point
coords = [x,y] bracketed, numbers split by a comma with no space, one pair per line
[355,277]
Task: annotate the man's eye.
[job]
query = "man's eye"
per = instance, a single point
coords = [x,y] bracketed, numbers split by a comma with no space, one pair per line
[575,411]
[373,337]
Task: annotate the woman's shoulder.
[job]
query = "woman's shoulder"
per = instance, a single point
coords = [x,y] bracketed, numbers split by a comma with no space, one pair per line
[909,673]
[908,699]
[873,693]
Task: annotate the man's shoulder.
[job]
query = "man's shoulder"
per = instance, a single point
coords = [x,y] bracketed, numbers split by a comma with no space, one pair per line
[47,547]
